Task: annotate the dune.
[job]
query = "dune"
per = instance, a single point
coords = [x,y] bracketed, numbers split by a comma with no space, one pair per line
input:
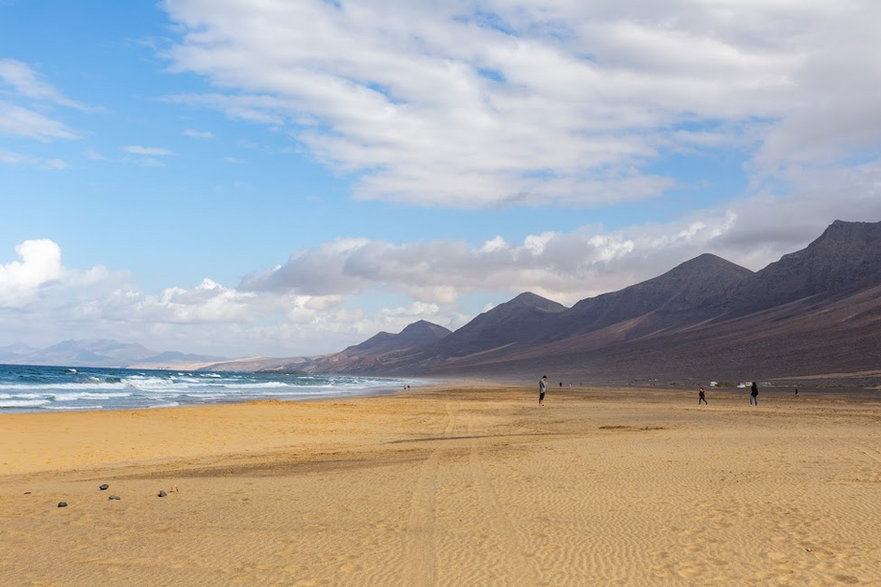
[466,484]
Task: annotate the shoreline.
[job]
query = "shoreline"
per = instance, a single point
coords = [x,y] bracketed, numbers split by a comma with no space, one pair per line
[65,389]
[460,482]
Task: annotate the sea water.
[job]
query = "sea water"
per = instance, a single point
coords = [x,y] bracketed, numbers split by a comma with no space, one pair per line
[25,388]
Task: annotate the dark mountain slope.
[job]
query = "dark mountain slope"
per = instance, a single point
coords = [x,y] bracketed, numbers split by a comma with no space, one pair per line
[380,353]
[515,321]
[844,259]
[416,334]
[689,293]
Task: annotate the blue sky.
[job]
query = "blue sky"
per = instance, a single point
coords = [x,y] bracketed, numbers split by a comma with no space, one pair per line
[243,177]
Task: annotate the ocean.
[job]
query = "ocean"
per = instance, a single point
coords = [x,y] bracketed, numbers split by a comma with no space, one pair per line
[27,388]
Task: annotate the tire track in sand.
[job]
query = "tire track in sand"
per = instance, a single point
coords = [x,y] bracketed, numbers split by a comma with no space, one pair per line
[420,557]
[521,567]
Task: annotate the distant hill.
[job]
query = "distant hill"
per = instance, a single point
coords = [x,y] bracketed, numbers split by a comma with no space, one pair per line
[372,355]
[97,353]
[417,334]
[11,354]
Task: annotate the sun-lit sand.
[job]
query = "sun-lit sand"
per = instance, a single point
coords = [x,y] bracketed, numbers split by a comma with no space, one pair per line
[464,484]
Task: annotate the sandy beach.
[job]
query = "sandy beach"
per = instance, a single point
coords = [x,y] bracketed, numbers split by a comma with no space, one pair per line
[461,484]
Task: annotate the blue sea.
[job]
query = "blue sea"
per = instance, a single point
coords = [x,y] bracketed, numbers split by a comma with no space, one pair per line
[25,388]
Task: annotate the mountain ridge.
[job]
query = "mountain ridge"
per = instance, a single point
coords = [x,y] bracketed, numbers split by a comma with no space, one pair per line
[813,311]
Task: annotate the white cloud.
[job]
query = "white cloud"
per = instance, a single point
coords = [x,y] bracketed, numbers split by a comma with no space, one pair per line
[40,262]
[199,134]
[22,95]
[20,121]
[11,158]
[27,83]
[39,297]
[151,151]
[528,103]
[57,164]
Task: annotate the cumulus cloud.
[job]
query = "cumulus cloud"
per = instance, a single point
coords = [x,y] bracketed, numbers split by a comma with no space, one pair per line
[40,263]
[39,296]
[569,266]
[564,266]
[499,103]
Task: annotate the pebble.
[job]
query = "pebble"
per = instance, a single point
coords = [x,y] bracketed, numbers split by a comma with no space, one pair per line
[103,486]
[62,504]
[114,497]
[162,493]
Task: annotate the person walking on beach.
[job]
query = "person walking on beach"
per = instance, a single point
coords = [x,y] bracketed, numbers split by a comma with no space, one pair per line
[542,389]
[754,395]
[702,396]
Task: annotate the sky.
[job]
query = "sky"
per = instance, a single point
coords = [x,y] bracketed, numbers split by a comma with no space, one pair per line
[285,178]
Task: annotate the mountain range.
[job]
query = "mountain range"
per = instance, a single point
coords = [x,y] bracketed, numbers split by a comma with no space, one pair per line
[814,312]
[96,353]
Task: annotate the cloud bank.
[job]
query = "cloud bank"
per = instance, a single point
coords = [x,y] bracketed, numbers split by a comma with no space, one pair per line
[481,104]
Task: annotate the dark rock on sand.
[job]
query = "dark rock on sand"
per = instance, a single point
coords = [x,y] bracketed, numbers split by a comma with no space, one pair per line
[103,486]
[62,504]
[162,493]
[114,497]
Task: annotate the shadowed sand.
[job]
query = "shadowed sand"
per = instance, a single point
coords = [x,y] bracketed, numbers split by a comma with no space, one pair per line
[466,484]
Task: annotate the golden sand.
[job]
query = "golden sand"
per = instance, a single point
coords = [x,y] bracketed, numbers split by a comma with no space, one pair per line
[463,485]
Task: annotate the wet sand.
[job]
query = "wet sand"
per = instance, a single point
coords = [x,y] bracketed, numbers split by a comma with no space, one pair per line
[465,484]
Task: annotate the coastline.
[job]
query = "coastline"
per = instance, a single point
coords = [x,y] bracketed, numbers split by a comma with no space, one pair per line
[459,482]
[34,388]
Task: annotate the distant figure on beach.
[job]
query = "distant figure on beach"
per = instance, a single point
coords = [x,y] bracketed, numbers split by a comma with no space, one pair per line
[542,389]
[796,392]
[754,395]
[702,396]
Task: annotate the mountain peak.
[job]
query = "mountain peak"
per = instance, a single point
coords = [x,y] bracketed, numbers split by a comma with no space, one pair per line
[843,259]
[528,299]
[417,334]
[421,327]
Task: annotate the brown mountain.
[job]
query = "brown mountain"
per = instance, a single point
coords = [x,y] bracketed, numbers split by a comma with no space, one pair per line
[417,334]
[814,311]
[845,259]
[687,294]
[381,350]
[515,322]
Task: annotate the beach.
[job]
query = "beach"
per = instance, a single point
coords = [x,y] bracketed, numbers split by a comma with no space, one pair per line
[466,483]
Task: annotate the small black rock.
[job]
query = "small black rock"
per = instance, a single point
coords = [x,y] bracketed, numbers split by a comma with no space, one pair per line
[162,493]
[103,486]
[114,497]
[62,504]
